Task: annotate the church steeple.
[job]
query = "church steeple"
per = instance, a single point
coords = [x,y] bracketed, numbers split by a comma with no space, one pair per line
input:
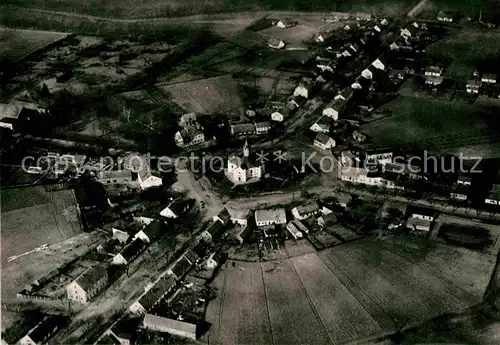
[246,150]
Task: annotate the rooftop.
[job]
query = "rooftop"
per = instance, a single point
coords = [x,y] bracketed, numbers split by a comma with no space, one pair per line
[164,322]
[41,331]
[243,127]
[154,229]
[133,249]
[88,278]
[308,208]
[276,215]
[156,292]
[322,138]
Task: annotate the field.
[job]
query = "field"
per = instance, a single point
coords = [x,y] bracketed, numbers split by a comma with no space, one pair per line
[349,292]
[158,8]
[466,56]
[434,124]
[211,95]
[16,44]
[32,217]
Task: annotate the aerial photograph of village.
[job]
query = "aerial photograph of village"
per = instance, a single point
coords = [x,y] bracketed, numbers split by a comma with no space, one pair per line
[250,172]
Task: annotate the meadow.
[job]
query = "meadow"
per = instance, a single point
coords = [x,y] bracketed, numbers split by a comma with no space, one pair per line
[430,123]
[348,292]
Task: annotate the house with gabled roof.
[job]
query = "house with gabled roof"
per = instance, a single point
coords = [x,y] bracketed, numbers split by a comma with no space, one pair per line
[334,108]
[276,43]
[152,231]
[286,23]
[223,216]
[171,326]
[489,78]
[242,129]
[322,125]
[213,232]
[459,192]
[130,252]
[153,295]
[270,217]
[345,94]
[306,210]
[177,208]
[43,330]
[323,141]
[88,284]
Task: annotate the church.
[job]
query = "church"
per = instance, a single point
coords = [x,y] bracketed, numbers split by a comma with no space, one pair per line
[244,170]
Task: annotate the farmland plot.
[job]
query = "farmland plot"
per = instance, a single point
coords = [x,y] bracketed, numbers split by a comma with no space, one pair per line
[293,319]
[343,316]
[467,269]
[244,318]
[214,310]
[16,44]
[395,284]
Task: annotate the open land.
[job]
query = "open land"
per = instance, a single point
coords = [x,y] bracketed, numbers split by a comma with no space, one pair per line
[363,282]
[156,8]
[16,44]
[434,124]
[29,222]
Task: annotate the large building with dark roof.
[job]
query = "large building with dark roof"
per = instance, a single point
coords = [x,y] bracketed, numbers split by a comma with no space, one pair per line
[88,284]
[150,298]
[43,331]
[130,252]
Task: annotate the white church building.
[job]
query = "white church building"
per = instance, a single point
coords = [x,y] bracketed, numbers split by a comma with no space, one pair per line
[243,170]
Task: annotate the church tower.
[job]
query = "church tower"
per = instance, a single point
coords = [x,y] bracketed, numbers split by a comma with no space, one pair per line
[246,150]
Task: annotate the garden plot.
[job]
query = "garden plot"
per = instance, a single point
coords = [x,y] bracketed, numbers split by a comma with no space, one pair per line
[17,44]
[293,318]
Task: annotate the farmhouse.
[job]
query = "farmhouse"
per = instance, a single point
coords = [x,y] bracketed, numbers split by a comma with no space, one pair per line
[323,141]
[305,211]
[326,66]
[359,136]
[275,43]
[262,127]
[213,232]
[360,175]
[278,116]
[322,37]
[401,44]
[354,47]
[141,166]
[473,85]
[381,157]
[368,72]
[410,171]
[348,158]
[397,75]
[153,295]
[120,235]
[242,129]
[445,16]
[189,136]
[177,208]
[379,64]
[292,229]
[409,32]
[88,284]
[116,177]
[493,197]
[42,331]
[345,94]
[466,181]
[320,126]
[301,90]
[151,232]
[223,216]
[433,71]
[489,78]
[130,252]
[286,23]
[270,217]
[188,120]
[418,224]
[334,108]
[433,80]
[171,326]
[459,192]
[240,217]
[422,213]
[245,170]
[16,114]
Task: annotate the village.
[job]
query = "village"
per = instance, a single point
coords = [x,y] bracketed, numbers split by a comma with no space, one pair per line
[145,238]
